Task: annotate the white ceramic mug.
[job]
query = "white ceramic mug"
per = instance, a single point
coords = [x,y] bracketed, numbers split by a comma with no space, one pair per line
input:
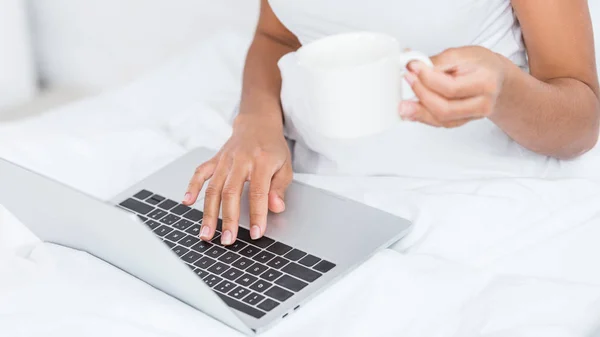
[347,85]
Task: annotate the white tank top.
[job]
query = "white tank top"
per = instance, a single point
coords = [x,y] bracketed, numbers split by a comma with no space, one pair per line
[478,149]
[429,26]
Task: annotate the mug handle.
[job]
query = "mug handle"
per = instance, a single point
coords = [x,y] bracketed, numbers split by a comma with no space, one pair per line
[404,59]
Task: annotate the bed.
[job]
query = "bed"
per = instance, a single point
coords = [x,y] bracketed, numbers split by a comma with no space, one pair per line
[495,256]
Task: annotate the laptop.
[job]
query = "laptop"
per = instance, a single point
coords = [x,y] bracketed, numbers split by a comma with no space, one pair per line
[148,233]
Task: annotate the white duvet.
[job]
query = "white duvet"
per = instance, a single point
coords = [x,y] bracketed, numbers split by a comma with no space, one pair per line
[489,256]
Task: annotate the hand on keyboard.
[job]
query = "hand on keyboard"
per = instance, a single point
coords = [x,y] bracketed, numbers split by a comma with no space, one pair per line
[256,152]
[240,272]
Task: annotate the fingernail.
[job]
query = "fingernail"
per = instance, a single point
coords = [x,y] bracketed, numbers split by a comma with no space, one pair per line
[415,67]
[280,202]
[406,110]
[226,237]
[255,232]
[410,78]
[187,197]
[204,232]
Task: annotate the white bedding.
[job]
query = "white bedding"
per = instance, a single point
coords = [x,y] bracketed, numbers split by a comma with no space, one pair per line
[487,257]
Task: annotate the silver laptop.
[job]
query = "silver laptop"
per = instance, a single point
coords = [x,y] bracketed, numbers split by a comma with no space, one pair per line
[249,285]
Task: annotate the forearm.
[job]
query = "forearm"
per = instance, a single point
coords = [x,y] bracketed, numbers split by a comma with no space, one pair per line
[262,80]
[559,117]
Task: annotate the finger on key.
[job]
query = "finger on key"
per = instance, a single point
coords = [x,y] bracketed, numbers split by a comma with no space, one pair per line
[202,174]
[230,198]
[260,182]
[280,182]
[212,202]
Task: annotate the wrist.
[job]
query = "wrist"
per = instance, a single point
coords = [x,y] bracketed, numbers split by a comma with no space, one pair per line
[508,73]
[264,118]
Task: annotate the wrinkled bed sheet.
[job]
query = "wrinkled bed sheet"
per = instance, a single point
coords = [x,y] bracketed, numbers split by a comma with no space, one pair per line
[486,257]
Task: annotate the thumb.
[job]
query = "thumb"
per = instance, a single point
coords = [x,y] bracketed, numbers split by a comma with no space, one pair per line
[279,184]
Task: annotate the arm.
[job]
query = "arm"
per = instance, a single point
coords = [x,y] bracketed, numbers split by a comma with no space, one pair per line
[262,80]
[554,110]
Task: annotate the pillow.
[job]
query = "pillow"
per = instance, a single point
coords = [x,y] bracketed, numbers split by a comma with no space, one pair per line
[17,74]
[95,44]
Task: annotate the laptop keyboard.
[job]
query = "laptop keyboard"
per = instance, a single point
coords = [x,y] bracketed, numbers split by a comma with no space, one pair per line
[252,276]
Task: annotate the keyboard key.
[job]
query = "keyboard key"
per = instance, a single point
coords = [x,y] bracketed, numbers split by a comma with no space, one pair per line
[142,195]
[237,305]
[229,257]
[239,293]
[246,280]
[194,215]
[157,214]
[219,225]
[216,239]
[189,241]
[205,262]
[191,256]
[257,269]
[260,286]
[225,287]
[218,268]
[180,209]
[170,219]
[263,257]
[291,283]
[155,199]
[201,272]
[324,266]
[301,272]
[194,230]
[169,243]
[175,236]
[278,293]
[232,274]
[295,254]
[162,230]
[179,250]
[167,204]
[183,224]
[249,251]
[277,262]
[279,248]
[271,275]
[143,218]
[244,234]
[268,304]
[236,246]
[242,263]
[152,224]
[215,252]
[212,280]
[136,206]
[309,260]
[253,298]
[201,246]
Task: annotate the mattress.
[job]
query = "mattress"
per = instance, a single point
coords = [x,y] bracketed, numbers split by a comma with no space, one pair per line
[490,256]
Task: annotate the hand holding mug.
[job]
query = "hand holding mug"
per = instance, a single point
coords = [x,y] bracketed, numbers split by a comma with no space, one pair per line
[463,85]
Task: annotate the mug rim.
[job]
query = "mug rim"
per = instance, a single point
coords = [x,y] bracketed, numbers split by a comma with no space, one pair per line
[348,35]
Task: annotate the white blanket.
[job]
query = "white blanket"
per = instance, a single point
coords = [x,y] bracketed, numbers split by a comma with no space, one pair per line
[487,257]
